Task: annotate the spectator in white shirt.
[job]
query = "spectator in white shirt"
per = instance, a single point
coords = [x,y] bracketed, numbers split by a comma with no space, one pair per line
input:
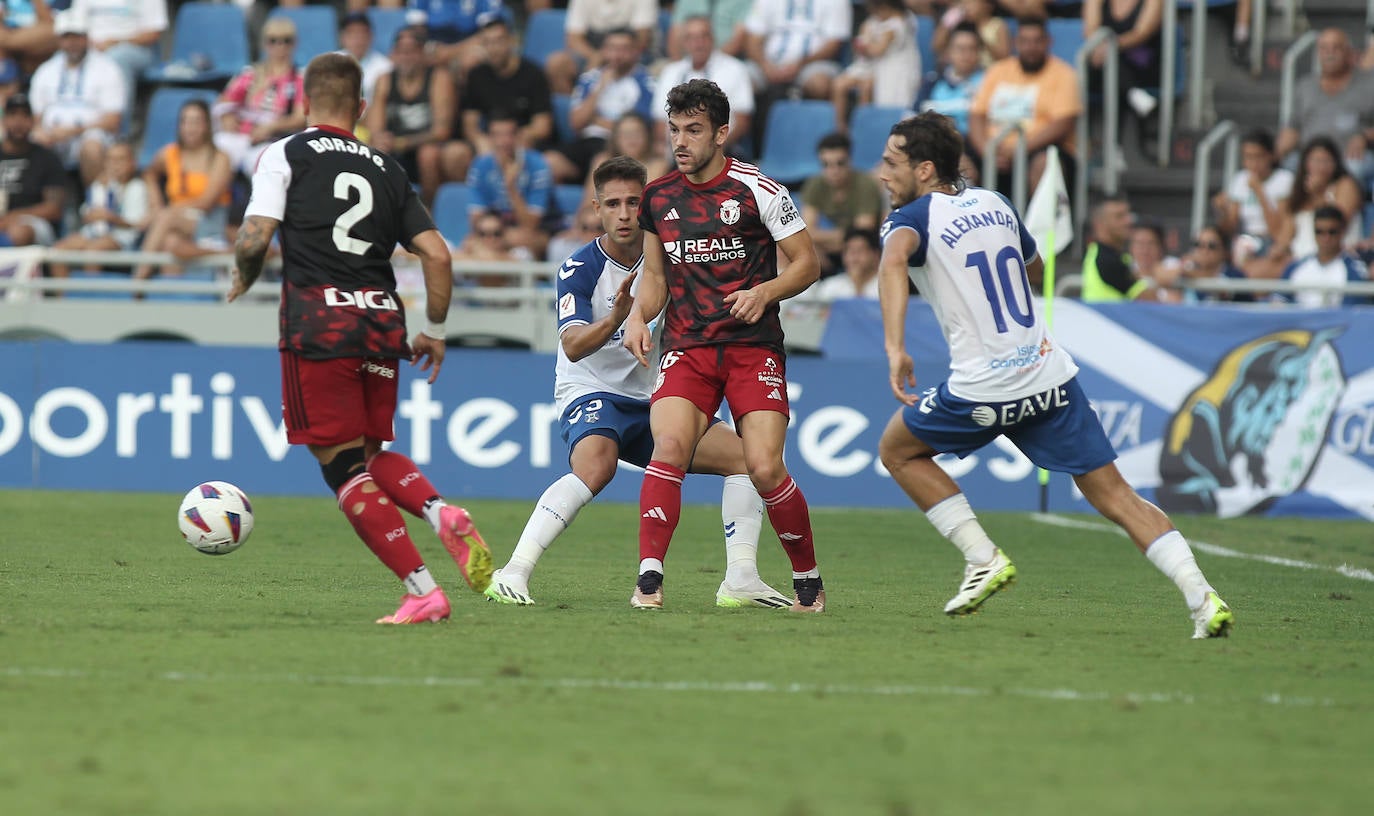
[704,61]
[860,276]
[355,40]
[126,31]
[1251,205]
[587,24]
[795,44]
[1330,265]
[79,96]
[115,211]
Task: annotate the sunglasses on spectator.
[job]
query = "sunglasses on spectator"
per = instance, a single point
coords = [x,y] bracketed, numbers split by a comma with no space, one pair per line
[281,40]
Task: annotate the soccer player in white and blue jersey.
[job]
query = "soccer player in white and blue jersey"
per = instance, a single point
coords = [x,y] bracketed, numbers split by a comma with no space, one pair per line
[602,394]
[968,253]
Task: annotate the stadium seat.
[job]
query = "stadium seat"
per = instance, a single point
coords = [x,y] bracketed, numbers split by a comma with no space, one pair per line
[562,119]
[160,127]
[544,34]
[568,198]
[451,212]
[1066,37]
[789,143]
[868,129]
[385,23]
[209,44]
[317,29]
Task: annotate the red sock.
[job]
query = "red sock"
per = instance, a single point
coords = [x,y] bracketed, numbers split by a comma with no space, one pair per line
[379,524]
[791,520]
[660,506]
[401,479]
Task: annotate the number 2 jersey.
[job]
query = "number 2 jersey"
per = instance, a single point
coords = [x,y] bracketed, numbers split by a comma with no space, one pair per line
[720,237]
[971,268]
[587,283]
[343,208]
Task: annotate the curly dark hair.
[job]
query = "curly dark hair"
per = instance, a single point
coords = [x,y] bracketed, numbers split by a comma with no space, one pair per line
[932,137]
[700,95]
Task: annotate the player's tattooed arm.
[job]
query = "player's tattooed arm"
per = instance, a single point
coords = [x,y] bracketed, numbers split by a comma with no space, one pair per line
[250,251]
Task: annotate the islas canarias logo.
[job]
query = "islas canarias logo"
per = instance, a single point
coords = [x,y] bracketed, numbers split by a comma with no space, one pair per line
[1253,431]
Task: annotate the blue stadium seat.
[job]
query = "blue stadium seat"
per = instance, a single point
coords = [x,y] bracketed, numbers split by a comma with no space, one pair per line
[562,119]
[160,128]
[789,143]
[451,211]
[568,198]
[385,23]
[317,29]
[925,42]
[1066,37]
[868,128]
[209,44]
[544,34]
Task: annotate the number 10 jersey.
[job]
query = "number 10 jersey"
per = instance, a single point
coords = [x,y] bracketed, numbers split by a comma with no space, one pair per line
[343,207]
[971,268]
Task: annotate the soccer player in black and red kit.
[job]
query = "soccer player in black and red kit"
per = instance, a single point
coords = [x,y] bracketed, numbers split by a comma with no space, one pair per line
[712,232]
[341,209]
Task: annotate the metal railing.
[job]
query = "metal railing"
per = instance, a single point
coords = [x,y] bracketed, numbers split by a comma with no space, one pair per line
[1018,164]
[1289,82]
[1167,80]
[1111,122]
[1197,62]
[1202,164]
[1072,286]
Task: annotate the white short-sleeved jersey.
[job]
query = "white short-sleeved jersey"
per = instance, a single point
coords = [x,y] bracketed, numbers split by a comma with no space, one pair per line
[971,268]
[587,283]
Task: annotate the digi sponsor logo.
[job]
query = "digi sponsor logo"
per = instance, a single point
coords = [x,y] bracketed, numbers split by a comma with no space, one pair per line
[361,299]
[705,250]
[1253,431]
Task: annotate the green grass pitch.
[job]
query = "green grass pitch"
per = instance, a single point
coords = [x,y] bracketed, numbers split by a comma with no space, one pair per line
[140,677]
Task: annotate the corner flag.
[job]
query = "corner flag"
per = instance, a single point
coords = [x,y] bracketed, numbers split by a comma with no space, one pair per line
[1049,217]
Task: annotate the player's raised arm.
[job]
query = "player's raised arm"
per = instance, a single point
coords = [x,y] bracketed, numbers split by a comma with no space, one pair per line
[437,264]
[898,246]
[580,341]
[250,250]
[652,297]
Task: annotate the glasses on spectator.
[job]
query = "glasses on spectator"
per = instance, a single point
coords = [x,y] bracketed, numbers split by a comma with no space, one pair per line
[281,40]
[1206,245]
[1328,231]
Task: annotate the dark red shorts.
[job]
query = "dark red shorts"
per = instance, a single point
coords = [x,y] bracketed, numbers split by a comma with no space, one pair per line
[750,378]
[326,402]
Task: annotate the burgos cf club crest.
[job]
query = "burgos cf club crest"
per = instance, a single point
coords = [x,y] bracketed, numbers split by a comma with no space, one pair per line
[729,212]
[1252,432]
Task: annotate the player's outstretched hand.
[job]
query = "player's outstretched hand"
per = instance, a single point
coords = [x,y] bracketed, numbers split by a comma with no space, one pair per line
[428,352]
[624,301]
[747,305]
[236,287]
[638,341]
[902,373]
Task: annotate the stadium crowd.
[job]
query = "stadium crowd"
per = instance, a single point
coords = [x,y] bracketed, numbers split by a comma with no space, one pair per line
[499,111]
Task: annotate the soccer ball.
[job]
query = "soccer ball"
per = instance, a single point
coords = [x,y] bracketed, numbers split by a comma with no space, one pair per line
[215,518]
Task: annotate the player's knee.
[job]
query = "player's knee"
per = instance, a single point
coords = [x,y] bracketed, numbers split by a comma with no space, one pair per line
[672,450]
[346,464]
[766,474]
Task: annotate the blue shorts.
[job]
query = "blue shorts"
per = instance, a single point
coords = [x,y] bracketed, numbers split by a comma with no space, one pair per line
[1056,429]
[623,419]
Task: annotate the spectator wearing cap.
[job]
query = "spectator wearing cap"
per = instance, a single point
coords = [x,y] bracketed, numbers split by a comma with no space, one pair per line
[79,96]
[505,80]
[355,40]
[128,32]
[33,184]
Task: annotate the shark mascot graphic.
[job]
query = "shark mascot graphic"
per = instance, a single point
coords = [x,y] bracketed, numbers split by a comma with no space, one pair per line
[1252,432]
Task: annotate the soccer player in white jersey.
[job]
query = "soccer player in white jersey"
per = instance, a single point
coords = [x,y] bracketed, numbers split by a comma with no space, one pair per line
[602,395]
[968,252]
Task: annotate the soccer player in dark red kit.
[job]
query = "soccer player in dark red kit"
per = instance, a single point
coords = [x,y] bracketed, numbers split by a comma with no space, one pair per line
[341,209]
[712,232]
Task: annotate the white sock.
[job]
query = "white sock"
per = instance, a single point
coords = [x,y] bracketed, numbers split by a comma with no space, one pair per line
[650,565]
[431,512]
[419,582]
[741,511]
[815,572]
[1172,555]
[556,509]
[954,519]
